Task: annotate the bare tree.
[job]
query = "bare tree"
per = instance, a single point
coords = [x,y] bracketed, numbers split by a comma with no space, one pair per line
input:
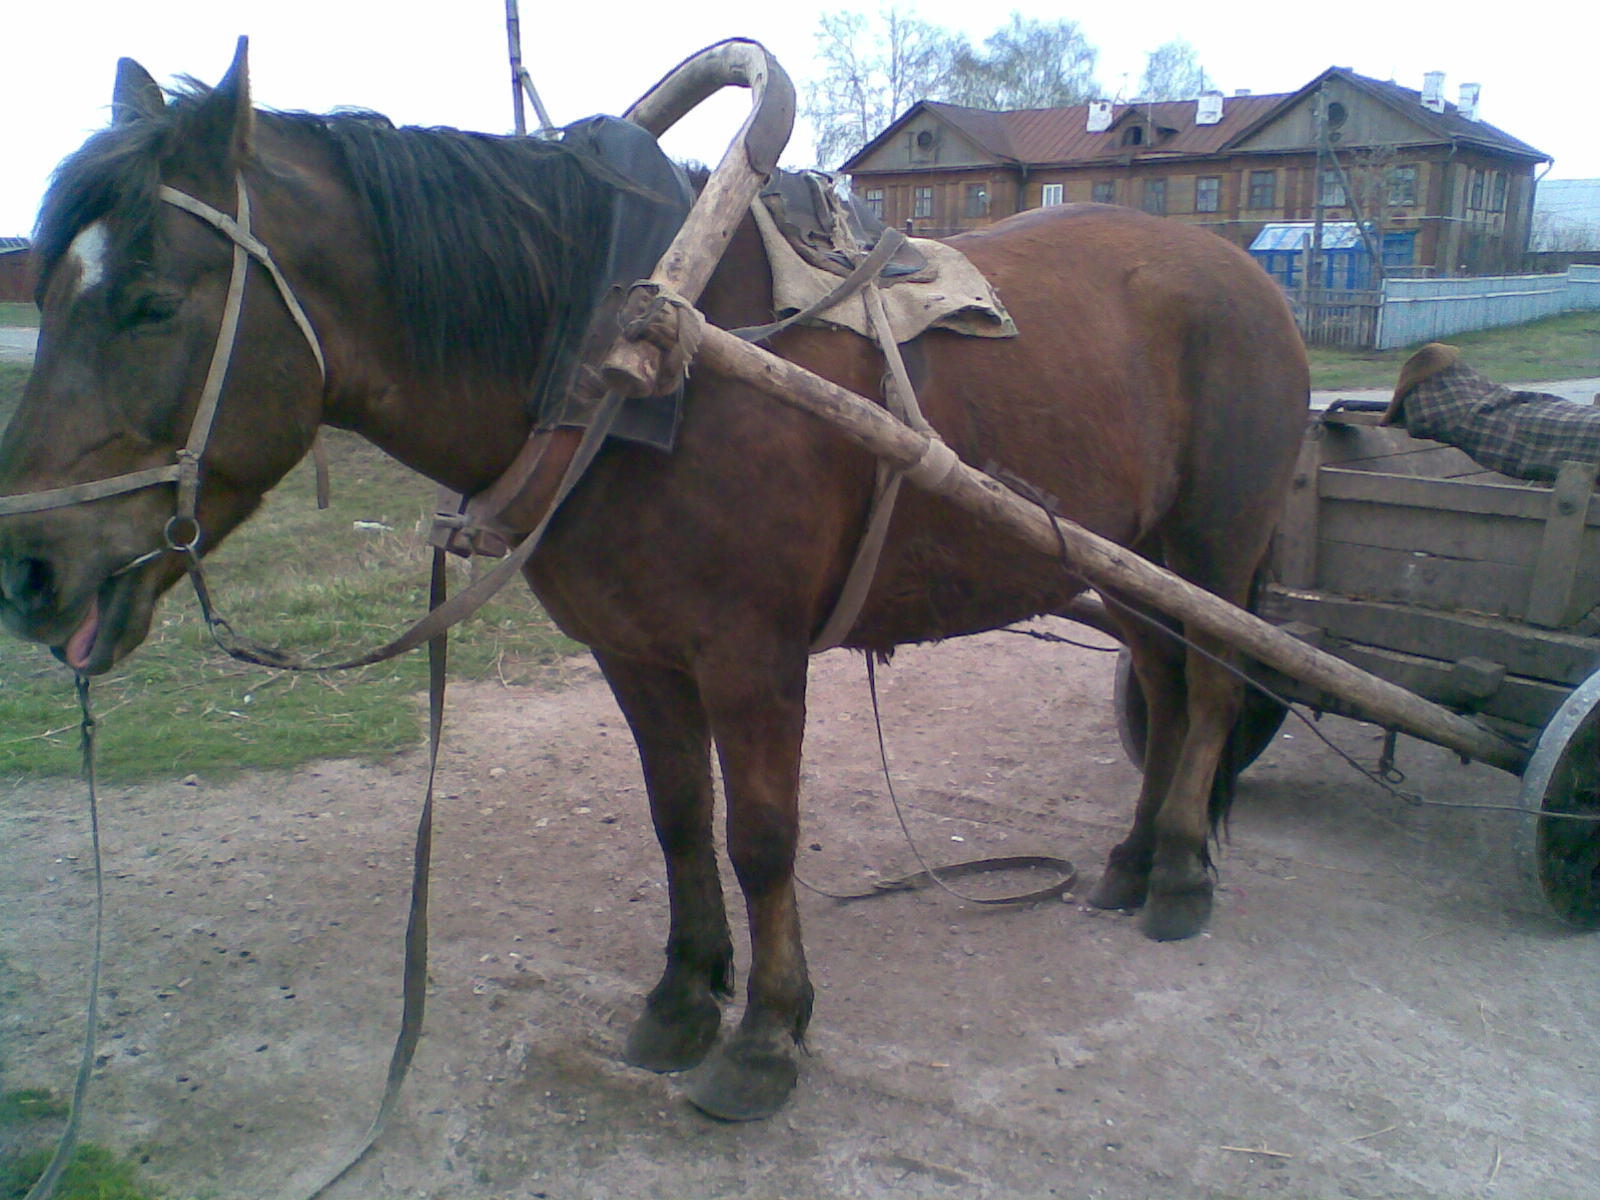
[1173,72]
[872,71]
[1028,63]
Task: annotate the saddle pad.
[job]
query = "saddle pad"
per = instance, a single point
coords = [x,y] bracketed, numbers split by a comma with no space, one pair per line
[949,294]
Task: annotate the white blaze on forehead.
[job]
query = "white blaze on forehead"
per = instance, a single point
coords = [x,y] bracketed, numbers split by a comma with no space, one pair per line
[88,252]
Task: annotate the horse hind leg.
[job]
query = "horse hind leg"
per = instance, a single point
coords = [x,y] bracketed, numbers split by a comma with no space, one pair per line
[1193,702]
[682,1013]
[1178,904]
[1158,664]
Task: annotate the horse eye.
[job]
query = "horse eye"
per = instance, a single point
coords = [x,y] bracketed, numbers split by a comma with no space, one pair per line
[151,308]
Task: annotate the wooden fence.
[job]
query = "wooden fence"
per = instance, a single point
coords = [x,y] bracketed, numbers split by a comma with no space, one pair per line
[1406,312]
[1337,316]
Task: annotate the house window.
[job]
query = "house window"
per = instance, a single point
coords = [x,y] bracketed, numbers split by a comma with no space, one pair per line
[977,200]
[1478,178]
[1402,186]
[1105,191]
[1263,189]
[1331,190]
[922,202]
[1155,196]
[1208,194]
[1053,193]
[1133,135]
[875,202]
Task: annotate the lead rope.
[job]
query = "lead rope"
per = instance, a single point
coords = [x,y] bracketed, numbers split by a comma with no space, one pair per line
[937,876]
[414,987]
[45,1186]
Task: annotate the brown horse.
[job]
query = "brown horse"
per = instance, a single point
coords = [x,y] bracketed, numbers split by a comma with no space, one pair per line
[1157,392]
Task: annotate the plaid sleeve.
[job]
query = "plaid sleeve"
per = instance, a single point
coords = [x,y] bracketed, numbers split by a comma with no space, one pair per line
[1526,435]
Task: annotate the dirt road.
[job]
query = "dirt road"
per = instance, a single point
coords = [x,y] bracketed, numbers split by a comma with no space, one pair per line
[1367,1017]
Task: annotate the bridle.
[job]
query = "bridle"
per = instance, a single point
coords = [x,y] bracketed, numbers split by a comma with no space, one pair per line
[182,532]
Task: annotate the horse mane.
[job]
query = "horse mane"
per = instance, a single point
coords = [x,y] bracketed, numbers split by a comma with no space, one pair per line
[491,246]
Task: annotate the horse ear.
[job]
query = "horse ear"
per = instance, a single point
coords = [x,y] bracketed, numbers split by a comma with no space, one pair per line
[135,95]
[225,120]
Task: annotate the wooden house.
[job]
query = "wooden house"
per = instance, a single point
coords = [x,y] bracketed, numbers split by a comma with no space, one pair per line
[1438,191]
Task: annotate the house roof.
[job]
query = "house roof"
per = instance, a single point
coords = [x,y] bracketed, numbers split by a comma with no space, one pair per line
[1291,235]
[10,245]
[1040,137]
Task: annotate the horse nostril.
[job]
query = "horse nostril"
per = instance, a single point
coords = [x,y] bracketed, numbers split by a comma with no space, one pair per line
[26,584]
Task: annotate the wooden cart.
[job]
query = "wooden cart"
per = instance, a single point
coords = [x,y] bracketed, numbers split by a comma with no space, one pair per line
[1473,590]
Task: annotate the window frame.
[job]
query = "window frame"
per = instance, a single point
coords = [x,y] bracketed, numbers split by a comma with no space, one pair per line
[1402,185]
[1215,191]
[1153,196]
[975,203]
[1263,184]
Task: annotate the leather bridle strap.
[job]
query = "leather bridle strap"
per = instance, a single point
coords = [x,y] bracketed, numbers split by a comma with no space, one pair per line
[186,471]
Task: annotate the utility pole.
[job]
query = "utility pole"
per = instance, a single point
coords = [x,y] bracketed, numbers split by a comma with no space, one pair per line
[521,81]
[1319,120]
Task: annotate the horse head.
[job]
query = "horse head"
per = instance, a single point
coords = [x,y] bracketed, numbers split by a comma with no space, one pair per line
[134,286]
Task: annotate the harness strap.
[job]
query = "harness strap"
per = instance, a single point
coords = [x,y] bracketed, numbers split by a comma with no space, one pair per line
[239,233]
[937,461]
[81,493]
[186,471]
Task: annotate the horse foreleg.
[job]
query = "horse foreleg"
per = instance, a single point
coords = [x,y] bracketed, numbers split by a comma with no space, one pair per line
[758,720]
[682,1013]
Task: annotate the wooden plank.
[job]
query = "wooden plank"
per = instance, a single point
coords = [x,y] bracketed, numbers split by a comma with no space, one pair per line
[1375,573]
[1555,591]
[1473,537]
[1393,451]
[1522,701]
[1294,549]
[1560,658]
[1455,495]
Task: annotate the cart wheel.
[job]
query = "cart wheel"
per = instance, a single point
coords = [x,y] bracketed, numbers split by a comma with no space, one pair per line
[1559,861]
[1259,719]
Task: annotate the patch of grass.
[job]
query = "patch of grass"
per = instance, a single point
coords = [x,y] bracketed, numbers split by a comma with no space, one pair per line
[30,1104]
[14,313]
[1566,346]
[93,1174]
[330,583]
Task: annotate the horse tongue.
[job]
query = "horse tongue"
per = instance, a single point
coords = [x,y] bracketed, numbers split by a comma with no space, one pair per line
[81,644]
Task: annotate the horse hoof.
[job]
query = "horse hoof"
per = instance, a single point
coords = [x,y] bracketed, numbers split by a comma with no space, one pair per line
[1120,887]
[657,1043]
[747,1079]
[1175,915]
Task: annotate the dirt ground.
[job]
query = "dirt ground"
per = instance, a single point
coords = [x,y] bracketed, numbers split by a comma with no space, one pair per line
[1371,1014]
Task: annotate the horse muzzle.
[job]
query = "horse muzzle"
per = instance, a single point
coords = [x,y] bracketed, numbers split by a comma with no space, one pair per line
[90,614]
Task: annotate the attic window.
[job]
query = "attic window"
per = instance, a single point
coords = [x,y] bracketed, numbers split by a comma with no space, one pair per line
[1337,114]
[1133,135]
[924,138]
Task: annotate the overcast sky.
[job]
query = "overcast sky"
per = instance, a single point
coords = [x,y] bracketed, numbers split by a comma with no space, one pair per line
[444,64]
